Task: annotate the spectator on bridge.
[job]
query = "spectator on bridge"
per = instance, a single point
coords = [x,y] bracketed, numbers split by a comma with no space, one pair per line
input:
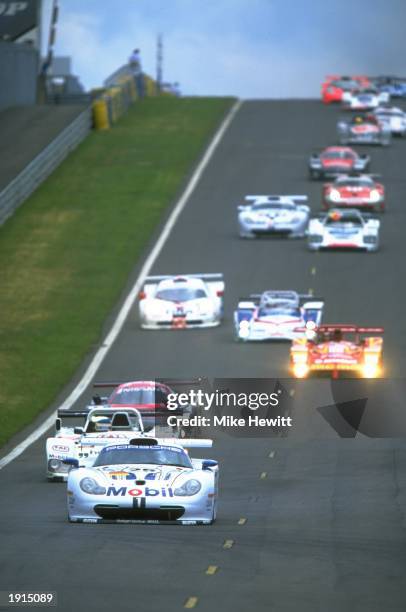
[136,69]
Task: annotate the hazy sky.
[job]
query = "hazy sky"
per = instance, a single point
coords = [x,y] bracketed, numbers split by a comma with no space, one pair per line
[248,48]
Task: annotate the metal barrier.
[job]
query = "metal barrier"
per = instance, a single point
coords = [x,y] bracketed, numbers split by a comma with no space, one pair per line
[41,166]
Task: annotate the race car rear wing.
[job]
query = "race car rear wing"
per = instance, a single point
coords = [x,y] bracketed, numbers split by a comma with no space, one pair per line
[351,329]
[214,281]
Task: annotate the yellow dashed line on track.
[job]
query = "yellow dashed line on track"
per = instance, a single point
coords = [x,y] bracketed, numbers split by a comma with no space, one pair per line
[310,292]
[212,569]
[313,271]
[263,475]
[191,602]
[228,543]
[292,392]
[242,521]
[271,454]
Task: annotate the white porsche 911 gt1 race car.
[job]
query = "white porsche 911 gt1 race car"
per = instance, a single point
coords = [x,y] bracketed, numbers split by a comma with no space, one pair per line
[344,229]
[276,315]
[177,302]
[144,482]
[280,215]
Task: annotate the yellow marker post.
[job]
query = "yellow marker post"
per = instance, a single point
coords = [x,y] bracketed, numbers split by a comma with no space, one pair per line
[212,569]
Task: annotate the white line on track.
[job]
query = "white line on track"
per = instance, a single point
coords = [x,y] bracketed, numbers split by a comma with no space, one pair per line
[128,303]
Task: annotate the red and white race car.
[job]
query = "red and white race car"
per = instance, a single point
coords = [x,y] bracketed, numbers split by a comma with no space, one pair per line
[149,397]
[333,349]
[336,160]
[334,87]
[354,191]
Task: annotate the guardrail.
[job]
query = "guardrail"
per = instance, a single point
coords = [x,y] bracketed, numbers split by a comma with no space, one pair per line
[41,166]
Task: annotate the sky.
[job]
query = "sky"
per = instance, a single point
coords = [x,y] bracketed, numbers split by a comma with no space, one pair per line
[245,48]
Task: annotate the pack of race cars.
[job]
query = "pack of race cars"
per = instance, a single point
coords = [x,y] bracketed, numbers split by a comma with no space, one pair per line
[117,466]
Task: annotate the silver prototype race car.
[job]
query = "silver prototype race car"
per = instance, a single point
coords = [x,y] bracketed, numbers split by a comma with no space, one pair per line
[283,215]
[146,481]
[344,229]
[178,302]
[364,129]
[276,315]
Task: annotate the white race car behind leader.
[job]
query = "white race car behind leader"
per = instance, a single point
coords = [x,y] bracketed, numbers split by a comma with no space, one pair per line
[177,302]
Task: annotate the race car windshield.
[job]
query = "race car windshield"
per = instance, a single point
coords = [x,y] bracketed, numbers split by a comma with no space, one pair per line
[338,155]
[273,206]
[127,396]
[345,84]
[336,336]
[344,221]
[355,182]
[268,311]
[141,456]
[180,294]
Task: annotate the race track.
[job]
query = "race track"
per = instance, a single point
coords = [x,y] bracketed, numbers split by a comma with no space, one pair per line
[325,525]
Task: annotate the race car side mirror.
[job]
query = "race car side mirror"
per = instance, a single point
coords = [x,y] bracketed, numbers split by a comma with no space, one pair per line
[78,430]
[97,400]
[142,295]
[58,424]
[207,464]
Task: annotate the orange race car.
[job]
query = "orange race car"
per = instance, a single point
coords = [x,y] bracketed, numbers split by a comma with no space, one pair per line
[337,348]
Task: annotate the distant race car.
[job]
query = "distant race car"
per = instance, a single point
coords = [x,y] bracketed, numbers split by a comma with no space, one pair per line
[334,87]
[338,348]
[102,426]
[148,397]
[343,229]
[275,315]
[283,215]
[354,191]
[394,86]
[363,129]
[333,161]
[146,481]
[394,119]
[179,302]
[364,99]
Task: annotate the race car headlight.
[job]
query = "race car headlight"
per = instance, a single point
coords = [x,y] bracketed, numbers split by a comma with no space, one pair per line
[244,328]
[370,239]
[374,196]
[90,486]
[335,195]
[190,487]
[300,370]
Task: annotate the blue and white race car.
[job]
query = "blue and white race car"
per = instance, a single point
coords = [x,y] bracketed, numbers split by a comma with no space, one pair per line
[344,229]
[144,481]
[394,86]
[276,315]
[364,99]
[283,215]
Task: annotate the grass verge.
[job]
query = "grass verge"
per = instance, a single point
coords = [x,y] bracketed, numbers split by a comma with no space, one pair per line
[66,254]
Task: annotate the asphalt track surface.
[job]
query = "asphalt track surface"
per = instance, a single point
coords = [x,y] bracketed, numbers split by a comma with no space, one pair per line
[325,525]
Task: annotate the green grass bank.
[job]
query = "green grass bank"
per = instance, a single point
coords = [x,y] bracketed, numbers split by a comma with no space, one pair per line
[66,254]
